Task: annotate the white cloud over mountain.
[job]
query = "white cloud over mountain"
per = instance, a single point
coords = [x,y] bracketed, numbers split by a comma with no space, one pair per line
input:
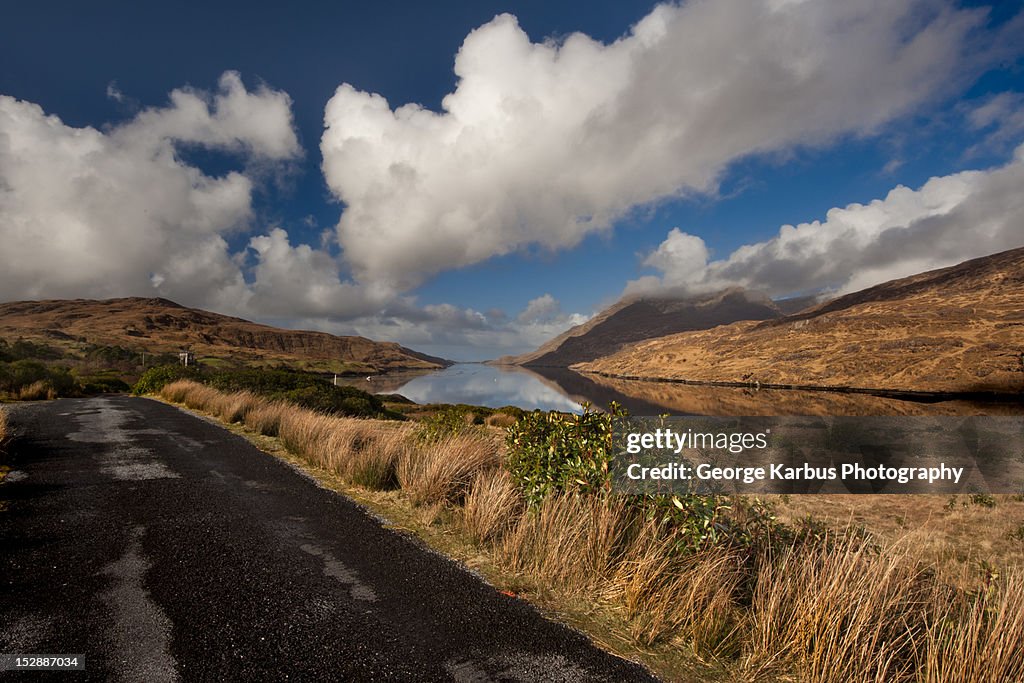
[947,220]
[91,213]
[462,333]
[545,143]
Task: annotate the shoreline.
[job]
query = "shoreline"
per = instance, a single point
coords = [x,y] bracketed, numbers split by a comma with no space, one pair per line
[901,394]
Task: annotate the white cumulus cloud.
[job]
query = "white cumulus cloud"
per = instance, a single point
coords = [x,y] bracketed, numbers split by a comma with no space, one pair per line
[458,333]
[545,143]
[947,220]
[115,212]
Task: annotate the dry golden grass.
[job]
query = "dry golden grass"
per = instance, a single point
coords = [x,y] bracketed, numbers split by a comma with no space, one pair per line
[852,613]
[37,391]
[690,600]
[4,429]
[956,534]
[491,506]
[502,420]
[265,418]
[573,542]
[230,408]
[374,451]
[839,613]
[979,638]
[839,609]
[442,470]
[306,433]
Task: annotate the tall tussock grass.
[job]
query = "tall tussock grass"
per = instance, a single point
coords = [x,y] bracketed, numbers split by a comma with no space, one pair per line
[821,609]
[41,390]
[4,428]
[692,599]
[492,505]
[572,541]
[853,612]
[442,470]
[373,452]
[979,636]
[843,612]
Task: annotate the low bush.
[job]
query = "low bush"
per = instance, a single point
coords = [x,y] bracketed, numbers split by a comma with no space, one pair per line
[37,379]
[297,388]
[154,379]
[41,390]
[27,350]
[553,452]
[103,385]
[446,422]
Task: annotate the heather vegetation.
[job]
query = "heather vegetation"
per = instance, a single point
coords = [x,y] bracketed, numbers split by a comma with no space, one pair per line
[716,581]
[35,371]
[287,386]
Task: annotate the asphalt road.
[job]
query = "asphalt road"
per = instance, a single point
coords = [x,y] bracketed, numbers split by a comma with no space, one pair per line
[164,548]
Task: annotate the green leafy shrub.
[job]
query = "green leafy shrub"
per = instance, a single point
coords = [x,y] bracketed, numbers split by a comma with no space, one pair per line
[396,398]
[102,384]
[111,355]
[298,388]
[446,422]
[18,375]
[27,350]
[327,398]
[984,500]
[154,379]
[552,452]
[303,389]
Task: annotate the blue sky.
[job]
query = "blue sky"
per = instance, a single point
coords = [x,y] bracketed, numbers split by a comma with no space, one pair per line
[449,257]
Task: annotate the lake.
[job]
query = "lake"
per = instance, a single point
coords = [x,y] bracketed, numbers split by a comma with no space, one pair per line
[565,390]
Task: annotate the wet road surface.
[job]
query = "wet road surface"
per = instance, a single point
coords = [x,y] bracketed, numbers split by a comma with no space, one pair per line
[164,548]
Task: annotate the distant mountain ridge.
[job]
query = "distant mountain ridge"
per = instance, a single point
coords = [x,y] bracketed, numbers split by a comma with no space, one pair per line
[955,329]
[637,318]
[159,325]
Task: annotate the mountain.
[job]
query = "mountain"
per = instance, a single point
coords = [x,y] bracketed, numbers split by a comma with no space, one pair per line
[637,318]
[162,326]
[957,329]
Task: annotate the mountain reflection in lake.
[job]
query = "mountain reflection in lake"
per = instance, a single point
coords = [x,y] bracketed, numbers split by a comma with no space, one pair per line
[565,390]
[481,385]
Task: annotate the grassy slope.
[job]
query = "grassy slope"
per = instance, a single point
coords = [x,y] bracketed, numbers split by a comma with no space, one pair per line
[161,326]
[634,319]
[955,329]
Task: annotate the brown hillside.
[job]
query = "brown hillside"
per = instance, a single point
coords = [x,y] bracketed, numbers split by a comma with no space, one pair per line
[635,319]
[955,329]
[159,325]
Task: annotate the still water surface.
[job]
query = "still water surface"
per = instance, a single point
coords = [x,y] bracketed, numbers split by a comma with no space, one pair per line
[565,390]
[481,385]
